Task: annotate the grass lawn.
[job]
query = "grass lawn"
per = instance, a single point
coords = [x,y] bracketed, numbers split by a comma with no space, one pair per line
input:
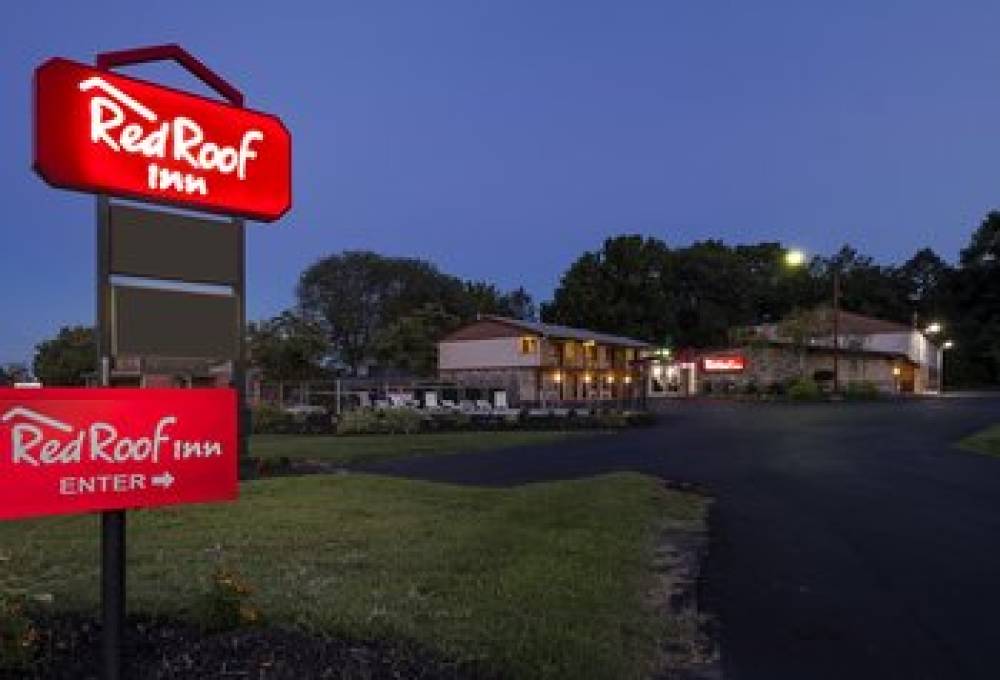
[987,441]
[355,449]
[545,580]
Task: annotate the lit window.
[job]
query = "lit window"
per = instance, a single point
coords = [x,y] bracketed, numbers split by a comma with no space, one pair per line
[529,345]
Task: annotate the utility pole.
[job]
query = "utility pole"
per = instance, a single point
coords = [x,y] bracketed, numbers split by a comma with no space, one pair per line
[836,331]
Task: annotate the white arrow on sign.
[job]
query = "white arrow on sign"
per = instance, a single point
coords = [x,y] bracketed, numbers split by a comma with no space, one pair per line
[164,480]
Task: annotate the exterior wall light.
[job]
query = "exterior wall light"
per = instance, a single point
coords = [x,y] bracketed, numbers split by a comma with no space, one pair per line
[948,344]
[935,327]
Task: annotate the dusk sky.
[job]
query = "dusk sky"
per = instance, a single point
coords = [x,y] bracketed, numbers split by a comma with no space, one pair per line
[500,140]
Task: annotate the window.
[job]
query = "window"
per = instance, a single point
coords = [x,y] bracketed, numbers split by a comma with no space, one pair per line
[529,345]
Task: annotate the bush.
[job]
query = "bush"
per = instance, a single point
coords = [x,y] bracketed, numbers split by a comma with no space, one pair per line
[804,389]
[641,418]
[226,604]
[271,466]
[777,389]
[390,421]
[269,419]
[19,639]
[358,421]
[862,389]
[401,421]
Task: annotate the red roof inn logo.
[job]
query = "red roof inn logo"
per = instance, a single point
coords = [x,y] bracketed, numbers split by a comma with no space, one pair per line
[65,450]
[101,132]
[733,363]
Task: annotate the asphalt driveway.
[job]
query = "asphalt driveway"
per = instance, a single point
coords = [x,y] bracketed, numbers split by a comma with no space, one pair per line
[849,540]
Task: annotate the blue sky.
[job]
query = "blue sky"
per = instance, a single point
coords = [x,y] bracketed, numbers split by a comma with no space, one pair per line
[502,139]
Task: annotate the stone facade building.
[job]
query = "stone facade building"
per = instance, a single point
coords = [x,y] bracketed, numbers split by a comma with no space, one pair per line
[892,357]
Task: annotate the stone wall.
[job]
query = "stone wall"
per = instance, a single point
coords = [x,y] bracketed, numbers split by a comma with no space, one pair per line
[766,366]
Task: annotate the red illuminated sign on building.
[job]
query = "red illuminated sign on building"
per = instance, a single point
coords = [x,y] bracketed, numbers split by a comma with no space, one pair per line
[723,364]
[75,450]
[101,132]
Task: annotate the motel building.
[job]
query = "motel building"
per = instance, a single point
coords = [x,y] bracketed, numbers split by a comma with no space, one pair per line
[895,358]
[543,364]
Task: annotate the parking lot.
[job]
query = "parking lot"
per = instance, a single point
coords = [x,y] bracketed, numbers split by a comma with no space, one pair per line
[848,540]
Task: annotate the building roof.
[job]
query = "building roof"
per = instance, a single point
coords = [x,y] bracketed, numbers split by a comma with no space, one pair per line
[851,323]
[551,330]
[859,324]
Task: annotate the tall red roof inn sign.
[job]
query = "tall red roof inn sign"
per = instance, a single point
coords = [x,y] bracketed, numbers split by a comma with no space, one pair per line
[109,450]
[100,132]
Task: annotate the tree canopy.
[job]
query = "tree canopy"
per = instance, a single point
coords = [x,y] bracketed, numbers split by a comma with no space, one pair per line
[695,296]
[66,359]
[360,300]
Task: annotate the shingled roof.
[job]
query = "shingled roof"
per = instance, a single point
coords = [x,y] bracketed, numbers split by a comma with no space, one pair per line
[551,330]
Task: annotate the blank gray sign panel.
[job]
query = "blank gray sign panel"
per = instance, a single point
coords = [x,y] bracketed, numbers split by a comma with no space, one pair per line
[161,245]
[166,323]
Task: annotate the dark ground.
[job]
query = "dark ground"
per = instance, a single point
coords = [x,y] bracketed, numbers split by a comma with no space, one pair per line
[849,540]
[165,650]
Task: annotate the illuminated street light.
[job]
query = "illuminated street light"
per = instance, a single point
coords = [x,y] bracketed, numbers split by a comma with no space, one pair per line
[935,327]
[948,344]
[795,257]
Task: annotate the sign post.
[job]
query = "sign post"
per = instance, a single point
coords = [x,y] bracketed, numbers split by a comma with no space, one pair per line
[100,132]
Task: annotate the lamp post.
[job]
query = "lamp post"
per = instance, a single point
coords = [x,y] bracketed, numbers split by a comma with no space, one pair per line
[945,346]
[796,258]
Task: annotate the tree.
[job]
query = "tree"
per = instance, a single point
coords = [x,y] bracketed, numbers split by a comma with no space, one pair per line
[975,323]
[66,359]
[13,373]
[617,289]
[925,281]
[866,287]
[355,296]
[409,344]
[804,326]
[286,347]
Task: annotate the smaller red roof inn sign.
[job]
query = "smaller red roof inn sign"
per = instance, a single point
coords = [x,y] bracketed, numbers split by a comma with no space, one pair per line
[100,132]
[66,451]
[730,363]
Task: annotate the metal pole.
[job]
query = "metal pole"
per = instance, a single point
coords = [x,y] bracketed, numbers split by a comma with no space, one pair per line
[836,331]
[112,522]
[239,365]
[112,591]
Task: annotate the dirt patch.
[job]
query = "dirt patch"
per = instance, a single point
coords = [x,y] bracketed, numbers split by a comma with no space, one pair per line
[692,652]
[162,650]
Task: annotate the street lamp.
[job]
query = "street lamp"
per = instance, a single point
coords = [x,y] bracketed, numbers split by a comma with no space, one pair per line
[945,346]
[934,327]
[796,258]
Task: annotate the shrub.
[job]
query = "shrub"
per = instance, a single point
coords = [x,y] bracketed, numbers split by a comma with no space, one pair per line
[401,421]
[271,466]
[862,389]
[269,419]
[804,389]
[19,639]
[226,604]
[641,418]
[390,421]
[358,421]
